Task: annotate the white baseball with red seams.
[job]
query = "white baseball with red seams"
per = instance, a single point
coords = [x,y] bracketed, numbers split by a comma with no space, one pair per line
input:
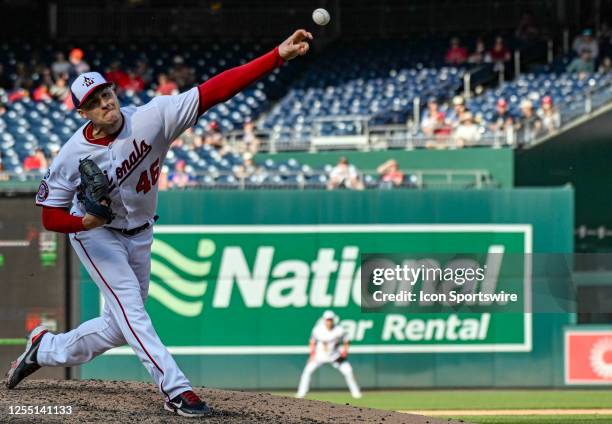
[120,264]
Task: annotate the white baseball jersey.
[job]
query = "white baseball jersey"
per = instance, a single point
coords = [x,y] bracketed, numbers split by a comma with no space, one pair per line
[327,342]
[120,264]
[132,162]
[328,345]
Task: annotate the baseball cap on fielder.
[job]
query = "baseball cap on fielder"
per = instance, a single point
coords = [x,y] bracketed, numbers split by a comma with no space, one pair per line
[329,315]
[84,85]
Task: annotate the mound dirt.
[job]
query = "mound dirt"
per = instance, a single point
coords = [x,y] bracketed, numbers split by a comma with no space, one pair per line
[94,401]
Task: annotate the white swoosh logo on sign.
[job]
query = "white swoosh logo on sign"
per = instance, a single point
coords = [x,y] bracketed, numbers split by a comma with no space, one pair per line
[176,305]
[166,285]
[180,261]
[175,282]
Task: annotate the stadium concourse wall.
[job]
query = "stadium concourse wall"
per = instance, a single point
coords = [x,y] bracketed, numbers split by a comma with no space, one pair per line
[234,293]
[499,162]
[579,156]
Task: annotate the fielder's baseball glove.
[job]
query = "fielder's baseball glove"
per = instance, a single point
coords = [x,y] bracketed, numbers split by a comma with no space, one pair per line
[93,190]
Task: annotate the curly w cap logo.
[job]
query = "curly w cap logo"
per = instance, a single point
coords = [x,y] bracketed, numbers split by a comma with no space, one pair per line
[177,281]
[588,357]
[87,81]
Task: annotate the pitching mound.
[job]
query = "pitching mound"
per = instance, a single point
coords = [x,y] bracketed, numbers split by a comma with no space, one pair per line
[126,402]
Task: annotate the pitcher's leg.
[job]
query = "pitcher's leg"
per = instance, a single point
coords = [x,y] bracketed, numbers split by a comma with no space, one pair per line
[109,268]
[140,262]
[82,344]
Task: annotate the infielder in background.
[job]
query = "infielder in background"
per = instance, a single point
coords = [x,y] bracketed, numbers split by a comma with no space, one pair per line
[126,149]
[328,345]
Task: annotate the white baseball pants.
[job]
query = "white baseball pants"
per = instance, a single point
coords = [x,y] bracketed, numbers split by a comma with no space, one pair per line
[120,266]
[345,368]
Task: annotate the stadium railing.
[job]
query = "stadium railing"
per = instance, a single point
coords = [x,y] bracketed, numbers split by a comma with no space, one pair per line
[310,137]
[300,180]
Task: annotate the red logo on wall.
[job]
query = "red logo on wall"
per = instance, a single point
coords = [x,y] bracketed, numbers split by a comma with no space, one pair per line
[588,357]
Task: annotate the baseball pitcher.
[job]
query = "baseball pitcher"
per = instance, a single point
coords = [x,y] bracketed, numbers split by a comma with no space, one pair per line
[328,345]
[102,190]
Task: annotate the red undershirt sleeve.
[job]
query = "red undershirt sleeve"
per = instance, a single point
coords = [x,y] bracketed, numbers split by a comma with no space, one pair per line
[224,86]
[60,220]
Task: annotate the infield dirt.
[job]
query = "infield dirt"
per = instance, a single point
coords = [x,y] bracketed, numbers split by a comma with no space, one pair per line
[94,401]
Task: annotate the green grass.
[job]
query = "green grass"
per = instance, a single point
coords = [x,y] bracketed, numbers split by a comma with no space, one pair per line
[537,419]
[471,399]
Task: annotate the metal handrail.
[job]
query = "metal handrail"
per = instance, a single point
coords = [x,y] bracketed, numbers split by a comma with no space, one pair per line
[407,135]
[417,178]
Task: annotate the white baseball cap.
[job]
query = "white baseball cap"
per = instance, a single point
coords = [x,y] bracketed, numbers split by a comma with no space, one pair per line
[84,85]
[329,315]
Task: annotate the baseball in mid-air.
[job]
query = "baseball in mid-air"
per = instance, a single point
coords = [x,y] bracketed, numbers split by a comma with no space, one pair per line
[321,16]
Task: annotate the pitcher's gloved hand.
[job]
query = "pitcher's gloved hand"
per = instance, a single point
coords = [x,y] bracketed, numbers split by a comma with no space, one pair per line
[93,191]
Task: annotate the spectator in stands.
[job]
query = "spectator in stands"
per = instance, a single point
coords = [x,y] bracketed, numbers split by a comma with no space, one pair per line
[41,93]
[456,53]
[2,109]
[165,86]
[441,134]
[502,118]
[586,42]
[59,90]
[18,94]
[605,66]
[117,76]
[529,125]
[549,115]
[46,77]
[77,63]
[188,139]
[183,75]
[459,109]
[36,161]
[390,175]
[215,139]
[134,82]
[467,132]
[145,73]
[582,65]
[499,54]
[60,66]
[23,78]
[180,178]
[479,55]
[344,175]
[249,139]
[430,122]
[247,168]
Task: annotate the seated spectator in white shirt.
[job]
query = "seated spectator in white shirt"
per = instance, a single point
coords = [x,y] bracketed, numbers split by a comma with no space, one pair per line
[467,132]
[344,175]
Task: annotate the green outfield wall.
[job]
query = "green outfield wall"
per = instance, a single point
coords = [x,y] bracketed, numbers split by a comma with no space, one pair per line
[239,278]
[499,162]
